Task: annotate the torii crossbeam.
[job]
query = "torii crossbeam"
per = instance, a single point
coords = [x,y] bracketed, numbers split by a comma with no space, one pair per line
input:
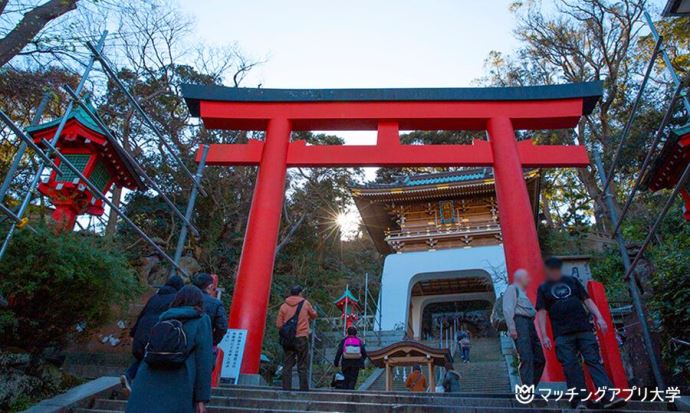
[499,111]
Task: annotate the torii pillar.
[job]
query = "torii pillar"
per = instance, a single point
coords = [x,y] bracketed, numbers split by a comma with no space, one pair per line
[499,111]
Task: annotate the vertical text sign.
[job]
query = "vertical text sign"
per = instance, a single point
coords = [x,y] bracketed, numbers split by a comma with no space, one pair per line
[233,349]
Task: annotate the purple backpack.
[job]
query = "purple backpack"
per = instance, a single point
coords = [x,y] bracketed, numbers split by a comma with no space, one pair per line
[352,348]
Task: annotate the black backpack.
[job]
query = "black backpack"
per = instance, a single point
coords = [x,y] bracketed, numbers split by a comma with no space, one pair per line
[288,331]
[167,346]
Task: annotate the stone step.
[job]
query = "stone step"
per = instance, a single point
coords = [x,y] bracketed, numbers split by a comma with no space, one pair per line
[226,405]
[489,376]
[211,410]
[230,399]
[84,410]
[397,398]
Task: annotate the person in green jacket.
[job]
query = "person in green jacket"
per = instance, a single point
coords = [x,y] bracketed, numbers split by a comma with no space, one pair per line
[186,389]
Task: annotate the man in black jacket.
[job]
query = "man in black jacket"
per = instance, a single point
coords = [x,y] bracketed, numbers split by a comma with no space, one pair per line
[148,317]
[213,307]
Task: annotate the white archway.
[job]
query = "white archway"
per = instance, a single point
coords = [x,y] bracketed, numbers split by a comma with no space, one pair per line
[402,271]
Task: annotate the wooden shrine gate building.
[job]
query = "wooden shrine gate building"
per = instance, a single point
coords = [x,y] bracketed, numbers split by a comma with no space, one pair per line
[278,112]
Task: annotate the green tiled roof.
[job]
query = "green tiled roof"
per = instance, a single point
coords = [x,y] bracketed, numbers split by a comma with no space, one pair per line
[347,294]
[463,175]
[82,117]
[682,131]
[79,114]
[460,176]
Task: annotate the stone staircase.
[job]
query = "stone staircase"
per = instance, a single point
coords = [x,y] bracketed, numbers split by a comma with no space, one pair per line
[487,371]
[264,399]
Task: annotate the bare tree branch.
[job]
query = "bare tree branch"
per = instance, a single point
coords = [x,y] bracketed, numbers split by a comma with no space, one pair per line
[30,25]
[286,239]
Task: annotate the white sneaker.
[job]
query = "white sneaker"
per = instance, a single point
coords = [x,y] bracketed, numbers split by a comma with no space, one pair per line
[126,386]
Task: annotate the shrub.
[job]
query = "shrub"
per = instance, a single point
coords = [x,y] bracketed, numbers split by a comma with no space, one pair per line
[58,282]
[671,284]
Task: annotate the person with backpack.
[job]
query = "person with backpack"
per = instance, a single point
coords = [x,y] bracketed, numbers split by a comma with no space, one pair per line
[175,376]
[350,357]
[416,381]
[451,380]
[293,327]
[519,313]
[147,318]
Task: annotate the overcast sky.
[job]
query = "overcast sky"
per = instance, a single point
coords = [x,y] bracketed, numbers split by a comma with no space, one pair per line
[373,43]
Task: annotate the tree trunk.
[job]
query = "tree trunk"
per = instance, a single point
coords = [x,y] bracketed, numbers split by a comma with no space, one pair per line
[289,234]
[589,181]
[546,209]
[30,25]
[111,227]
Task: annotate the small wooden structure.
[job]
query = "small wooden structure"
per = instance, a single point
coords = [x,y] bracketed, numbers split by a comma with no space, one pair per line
[409,353]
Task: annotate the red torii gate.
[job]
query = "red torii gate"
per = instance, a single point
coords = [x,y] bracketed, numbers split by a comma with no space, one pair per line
[499,111]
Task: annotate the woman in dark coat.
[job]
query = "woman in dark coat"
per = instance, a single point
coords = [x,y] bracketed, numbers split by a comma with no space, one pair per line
[350,366]
[148,317]
[186,389]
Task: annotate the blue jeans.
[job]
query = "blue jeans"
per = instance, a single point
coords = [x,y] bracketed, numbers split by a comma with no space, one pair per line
[569,348]
[465,353]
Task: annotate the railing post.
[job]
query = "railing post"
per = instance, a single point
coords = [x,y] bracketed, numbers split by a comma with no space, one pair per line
[632,282]
[311,353]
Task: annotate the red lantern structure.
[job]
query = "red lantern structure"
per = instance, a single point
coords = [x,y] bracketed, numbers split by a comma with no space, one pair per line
[97,157]
[349,305]
[670,164]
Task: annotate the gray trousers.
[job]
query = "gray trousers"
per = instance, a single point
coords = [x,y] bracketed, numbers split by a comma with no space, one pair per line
[529,350]
[569,347]
[298,356]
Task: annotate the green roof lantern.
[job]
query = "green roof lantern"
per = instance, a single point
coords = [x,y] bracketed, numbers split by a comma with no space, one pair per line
[97,156]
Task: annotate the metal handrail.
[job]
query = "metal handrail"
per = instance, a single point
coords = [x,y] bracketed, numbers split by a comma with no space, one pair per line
[99,194]
[648,157]
[96,53]
[667,60]
[679,341]
[30,142]
[41,166]
[138,168]
[633,113]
